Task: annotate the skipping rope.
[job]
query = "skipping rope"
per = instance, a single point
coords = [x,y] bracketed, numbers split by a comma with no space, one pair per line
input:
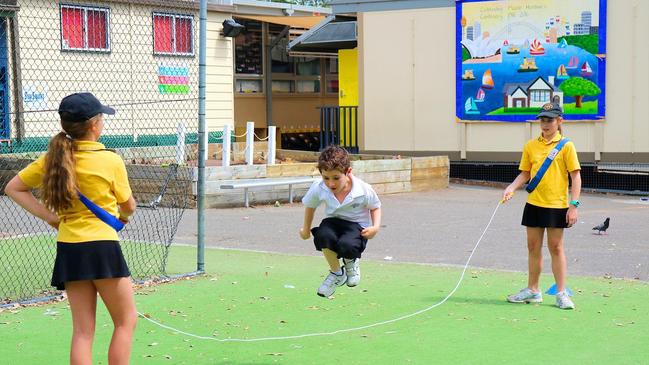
[331,333]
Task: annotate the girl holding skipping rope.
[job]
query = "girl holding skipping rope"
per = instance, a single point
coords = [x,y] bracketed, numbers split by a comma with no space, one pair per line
[547,208]
[89,259]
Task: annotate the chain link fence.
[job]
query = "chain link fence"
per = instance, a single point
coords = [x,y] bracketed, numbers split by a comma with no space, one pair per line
[140,58]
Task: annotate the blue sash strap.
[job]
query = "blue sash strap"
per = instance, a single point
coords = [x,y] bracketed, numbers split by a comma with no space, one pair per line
[103,215]
[544,167]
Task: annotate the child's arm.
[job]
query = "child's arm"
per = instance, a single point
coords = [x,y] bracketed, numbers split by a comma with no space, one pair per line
[19,192]
[122,190]
[575,192]
[305,231]
[370,232]
[126,209]
[521,179]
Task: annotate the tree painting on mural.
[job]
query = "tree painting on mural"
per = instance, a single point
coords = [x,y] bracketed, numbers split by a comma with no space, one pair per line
[513,57]
[578,87]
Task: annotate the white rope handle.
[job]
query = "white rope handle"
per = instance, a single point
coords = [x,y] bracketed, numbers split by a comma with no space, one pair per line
[259,339]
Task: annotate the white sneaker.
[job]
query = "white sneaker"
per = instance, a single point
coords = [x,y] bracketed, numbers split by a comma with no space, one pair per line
[564,301]
[330,283]
[526,295]
[353,270]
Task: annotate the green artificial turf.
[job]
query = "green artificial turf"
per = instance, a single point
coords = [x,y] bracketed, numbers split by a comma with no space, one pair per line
[252,295]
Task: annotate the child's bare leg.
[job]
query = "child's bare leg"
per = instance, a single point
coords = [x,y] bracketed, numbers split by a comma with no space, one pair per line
[534,256]
[82,296]
[332,259]
[117,294]
[559,266]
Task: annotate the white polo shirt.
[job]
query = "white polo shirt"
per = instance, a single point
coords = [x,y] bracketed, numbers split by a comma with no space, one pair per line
[356,206]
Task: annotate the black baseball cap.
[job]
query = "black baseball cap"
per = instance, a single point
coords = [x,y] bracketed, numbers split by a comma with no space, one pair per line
[550,110]
[79,107]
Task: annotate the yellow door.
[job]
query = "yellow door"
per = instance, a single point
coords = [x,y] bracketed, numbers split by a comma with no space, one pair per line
[348,94]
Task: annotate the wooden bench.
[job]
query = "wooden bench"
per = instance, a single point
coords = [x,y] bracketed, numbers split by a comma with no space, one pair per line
[246,184]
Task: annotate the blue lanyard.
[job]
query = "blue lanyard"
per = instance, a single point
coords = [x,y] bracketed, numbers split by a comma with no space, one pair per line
[98,211]
[544,167]
[102,214]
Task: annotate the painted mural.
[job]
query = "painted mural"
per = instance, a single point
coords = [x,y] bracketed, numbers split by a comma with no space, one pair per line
[513,56]
[173,79]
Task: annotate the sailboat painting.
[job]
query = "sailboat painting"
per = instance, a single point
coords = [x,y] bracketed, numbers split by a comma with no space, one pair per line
[562,73]
[487,80]
[470,107]
[573,63]
[479,97]
[508,67]
[586,71]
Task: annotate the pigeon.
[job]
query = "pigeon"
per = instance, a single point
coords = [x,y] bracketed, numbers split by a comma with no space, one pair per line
[602,227]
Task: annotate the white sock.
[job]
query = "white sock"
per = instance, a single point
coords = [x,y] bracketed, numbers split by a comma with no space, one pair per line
[339,272]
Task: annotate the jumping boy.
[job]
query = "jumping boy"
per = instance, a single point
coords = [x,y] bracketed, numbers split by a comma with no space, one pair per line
[353,215]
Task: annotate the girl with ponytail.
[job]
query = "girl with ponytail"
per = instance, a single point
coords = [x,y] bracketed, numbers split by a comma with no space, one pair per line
[89,260]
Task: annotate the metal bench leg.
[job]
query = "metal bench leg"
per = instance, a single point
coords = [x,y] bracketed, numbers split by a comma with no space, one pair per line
[290,194]
[246,201]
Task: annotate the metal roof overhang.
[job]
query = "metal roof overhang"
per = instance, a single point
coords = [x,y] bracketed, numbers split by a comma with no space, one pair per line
[326,38]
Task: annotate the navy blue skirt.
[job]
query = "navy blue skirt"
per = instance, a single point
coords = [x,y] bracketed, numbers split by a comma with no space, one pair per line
[88,261]
[535,216]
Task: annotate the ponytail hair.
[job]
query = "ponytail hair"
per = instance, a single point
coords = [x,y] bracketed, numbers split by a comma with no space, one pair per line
[60,181]
[59,189]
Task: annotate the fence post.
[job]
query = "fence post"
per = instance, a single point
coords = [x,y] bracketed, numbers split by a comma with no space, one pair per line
[180,144]
[271,145]
[202,138]
[321,128]
[225,145]
[206,142]
[250,142]
[327,127]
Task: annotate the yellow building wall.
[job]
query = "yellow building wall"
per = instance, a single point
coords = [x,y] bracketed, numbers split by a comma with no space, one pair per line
[219,73]
[127,76]
[407,89]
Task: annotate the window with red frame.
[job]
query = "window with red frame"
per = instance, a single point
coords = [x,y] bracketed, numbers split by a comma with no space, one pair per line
[173,34]
[84,28]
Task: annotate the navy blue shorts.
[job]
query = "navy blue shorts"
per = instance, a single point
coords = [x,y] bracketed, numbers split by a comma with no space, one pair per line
[88,261]
[340,236]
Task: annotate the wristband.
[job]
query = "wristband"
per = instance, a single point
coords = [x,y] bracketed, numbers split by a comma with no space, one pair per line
[575,203]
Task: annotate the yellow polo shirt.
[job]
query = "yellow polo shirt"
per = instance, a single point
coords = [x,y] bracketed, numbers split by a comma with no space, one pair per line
[101,177]
[552,190]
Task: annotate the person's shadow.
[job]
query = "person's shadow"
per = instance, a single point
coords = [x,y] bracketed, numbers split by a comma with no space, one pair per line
[471,300]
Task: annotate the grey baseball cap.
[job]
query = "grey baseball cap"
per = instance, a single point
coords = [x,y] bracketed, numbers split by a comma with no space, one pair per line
[550,110]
